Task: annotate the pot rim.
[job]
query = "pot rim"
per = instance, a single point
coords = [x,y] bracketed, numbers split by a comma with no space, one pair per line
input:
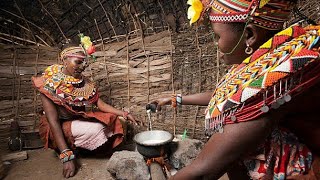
[155,144]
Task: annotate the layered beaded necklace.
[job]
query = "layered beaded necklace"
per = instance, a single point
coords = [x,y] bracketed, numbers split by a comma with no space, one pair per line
[77,92]
[268,69]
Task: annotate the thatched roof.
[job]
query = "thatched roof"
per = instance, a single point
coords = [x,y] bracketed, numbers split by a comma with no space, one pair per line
[51,22]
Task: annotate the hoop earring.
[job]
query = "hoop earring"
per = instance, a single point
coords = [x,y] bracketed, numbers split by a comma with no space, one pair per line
[248,50]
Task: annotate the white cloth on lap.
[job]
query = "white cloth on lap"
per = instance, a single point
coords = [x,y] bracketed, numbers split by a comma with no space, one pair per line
[89,135]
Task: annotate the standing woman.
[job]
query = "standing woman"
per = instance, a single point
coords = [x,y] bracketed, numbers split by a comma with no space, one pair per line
[262,117]
[75,116]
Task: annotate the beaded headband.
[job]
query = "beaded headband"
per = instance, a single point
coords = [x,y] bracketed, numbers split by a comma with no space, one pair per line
[71,52]
[86,47]
[268,14]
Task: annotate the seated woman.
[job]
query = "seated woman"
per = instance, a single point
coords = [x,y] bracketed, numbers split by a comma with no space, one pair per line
[75,116]
[262,117]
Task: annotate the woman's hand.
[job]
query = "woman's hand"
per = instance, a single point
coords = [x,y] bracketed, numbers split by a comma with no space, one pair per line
[69,169]
[131,118]
[161,102]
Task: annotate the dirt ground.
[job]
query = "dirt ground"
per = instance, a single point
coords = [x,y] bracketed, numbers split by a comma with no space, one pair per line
[44,164]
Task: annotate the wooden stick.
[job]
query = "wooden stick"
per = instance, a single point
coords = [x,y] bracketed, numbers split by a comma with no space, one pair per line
[17,156]
[34,38]
[104,54]
[10,41]
[14,78]
[35,92]
[53,20]
[145,54]
[172,84]
[134,21]
[108,18]
[19,38]
[10,21]
[44,42]
[163,14]
[128,71]
[199,87]
[156,171]
[71,7]
[18,94]
[43,31]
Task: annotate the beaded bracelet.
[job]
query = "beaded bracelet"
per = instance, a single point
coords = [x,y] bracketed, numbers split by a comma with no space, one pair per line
[174,100]
[66,155]
[65,150]
[179,99]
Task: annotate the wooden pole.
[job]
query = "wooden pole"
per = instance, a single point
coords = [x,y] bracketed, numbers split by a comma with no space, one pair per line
[128,71]
[199,78]
[156,171]
[35,92]
[14,72]
[172,84]
[103,49]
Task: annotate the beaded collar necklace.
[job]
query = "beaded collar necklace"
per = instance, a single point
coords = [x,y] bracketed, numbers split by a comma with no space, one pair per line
[281,57]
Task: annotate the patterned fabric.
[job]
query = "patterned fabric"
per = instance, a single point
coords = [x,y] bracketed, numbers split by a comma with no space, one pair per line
[268,14]
[267,79]
[282,155]
[62,86]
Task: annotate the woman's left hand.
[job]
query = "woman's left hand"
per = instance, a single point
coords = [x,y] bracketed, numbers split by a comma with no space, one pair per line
[132,119]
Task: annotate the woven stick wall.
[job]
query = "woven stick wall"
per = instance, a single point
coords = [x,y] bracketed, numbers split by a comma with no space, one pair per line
[129,74]
[136,71]
[18,99]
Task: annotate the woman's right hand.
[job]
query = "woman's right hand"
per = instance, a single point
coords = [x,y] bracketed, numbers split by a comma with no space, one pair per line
[69,169]
[161,102]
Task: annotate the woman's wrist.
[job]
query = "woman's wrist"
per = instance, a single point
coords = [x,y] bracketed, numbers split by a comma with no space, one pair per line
[66,155]
[65,150]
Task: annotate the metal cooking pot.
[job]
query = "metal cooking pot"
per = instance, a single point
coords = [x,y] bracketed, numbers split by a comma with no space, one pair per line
[152,143]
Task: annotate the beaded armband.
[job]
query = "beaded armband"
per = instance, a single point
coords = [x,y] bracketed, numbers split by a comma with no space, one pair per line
[174,100]
[66,155]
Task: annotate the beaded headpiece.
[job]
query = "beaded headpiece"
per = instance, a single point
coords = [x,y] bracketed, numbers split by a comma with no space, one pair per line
[72,52]
[268,14]
[86,47]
